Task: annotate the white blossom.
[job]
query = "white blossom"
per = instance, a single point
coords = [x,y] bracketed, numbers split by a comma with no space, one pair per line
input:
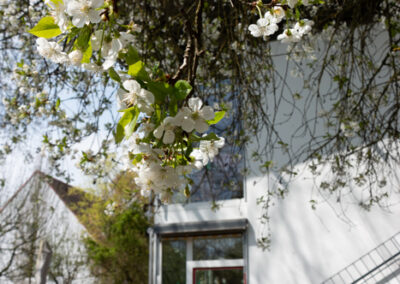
[111,53]
[166,128]
[289,35]
[154,177]
[349,129]
[147,128]
[279,13]
[265,26]
[195,116]
[292,3]
[58,13]
[75,57]
[207,151]
[84,11]
[303,27]
[109,210]
[110,50]
[51,50]
[93,67]
[297,32]
[136,96]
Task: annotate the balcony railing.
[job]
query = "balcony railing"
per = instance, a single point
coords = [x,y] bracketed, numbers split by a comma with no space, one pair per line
[380,265]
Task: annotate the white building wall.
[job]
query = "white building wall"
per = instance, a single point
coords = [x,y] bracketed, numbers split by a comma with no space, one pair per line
[307,246]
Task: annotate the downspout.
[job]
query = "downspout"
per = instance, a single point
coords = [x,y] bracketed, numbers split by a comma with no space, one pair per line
[150,231]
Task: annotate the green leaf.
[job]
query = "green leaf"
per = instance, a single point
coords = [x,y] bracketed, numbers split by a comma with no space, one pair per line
[114,75]
[46,28]
[20,64]
[87,54]
[130,128]
[195,138]
[218,116]
[173,107]
[132,56]
[267,165]
[160,90]
[208,137]
[57,2]
[82,42]
[119,134]
[45,139]
[182,89]
[138,72]
[58,102]
[137,159]
[126,124]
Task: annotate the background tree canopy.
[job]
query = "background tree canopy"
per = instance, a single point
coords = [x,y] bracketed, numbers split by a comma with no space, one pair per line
[348,68]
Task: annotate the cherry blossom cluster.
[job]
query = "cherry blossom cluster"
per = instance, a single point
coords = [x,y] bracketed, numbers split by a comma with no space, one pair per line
[164,129]
[268,24]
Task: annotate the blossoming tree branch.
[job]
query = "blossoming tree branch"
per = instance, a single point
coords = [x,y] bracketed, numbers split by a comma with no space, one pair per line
[165,126]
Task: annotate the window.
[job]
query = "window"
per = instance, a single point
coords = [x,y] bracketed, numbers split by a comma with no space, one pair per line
[223,275]
[203,260]
[174,261]
[221,179]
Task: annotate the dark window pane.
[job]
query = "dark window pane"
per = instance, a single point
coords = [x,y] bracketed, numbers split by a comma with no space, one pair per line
[174,262]
[220,179]
[219,275]
[218,248]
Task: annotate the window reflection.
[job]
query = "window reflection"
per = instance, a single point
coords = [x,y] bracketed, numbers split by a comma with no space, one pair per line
[218,248]
[174,262]
[219,276]
[220,179]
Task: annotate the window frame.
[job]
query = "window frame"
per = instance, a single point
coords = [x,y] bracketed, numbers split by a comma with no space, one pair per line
[227,264]
[188,232]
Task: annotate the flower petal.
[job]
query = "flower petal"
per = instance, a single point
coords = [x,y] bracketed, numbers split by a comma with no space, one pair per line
[169,137]
[97,3]
[132,86]
[79,21]
[187,124]
[147,96]
[195,104]
[207,113]
[159,131]
[201,126]
[94,16]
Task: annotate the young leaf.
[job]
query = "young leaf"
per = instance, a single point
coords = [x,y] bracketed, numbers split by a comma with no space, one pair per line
[46,28]
[132,56]
[87,54]
[82,42]
[138,72]
[182,89]
[114,75]
[159,89]
[130,128]
[126,124]
[119,134]
[57,2]
[218,116]
[58,102]
[210,137]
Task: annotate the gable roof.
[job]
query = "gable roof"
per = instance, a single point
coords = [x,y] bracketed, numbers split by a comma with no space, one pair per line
[76,200]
